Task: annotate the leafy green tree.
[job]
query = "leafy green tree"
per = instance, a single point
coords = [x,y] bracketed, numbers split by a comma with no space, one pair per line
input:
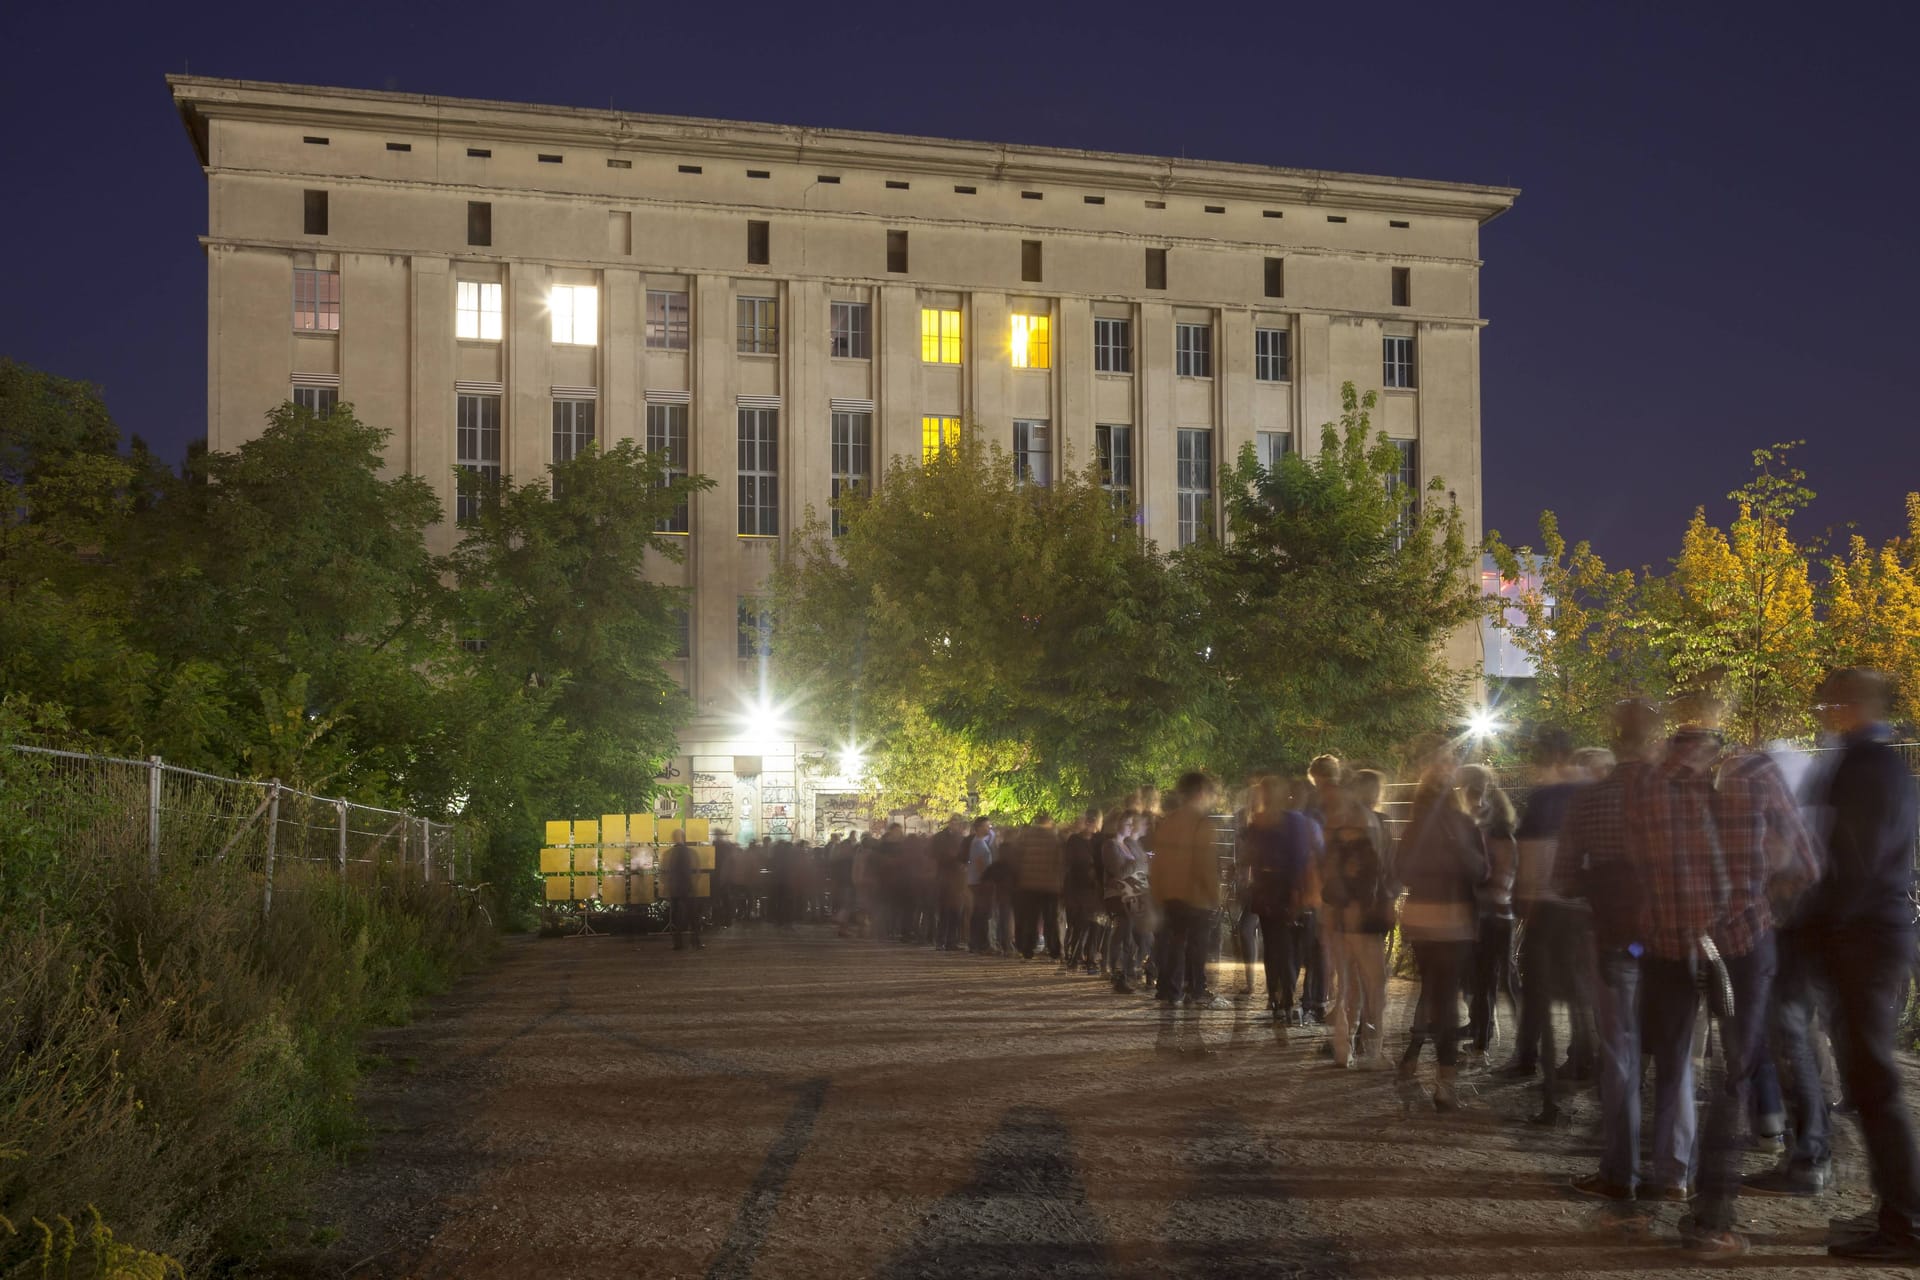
[1030,626]
[1580,625]
[555,599]
[1330,600]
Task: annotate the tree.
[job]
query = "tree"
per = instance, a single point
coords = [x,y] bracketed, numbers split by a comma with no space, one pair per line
[1580,627]
[1873,609]
[1030,625]
[1329,601]
[555,600]
[1737,612]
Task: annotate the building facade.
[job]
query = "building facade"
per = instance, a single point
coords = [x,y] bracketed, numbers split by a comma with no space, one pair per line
[786,309]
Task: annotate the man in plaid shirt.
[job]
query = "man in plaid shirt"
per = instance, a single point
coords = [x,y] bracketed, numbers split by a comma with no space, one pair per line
[1709,833]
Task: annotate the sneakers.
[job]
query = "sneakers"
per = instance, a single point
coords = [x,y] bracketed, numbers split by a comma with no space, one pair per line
[1877,1246]
[1600,1188]
[1790,1180]
[1722,1242]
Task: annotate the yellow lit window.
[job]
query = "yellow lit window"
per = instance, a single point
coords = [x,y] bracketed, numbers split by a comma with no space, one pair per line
[937,434]
[1031,349]
[576,314]
[939,336]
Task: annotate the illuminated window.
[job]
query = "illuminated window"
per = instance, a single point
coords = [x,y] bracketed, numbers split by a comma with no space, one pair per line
[476,451]
[476,310]
[1031,346]
[1112,345]
[759,326]
[759,472]
[576,314]
[572,428]
[1270,362]
[1032,453]
[667,437]
[1193,484]
[852,460]
[1193,350]
[316,301]
[939,336]
[667,326]
[850,331]
[318,401]
[1396,362]
[937,434]
[1273,446]
[1113,448]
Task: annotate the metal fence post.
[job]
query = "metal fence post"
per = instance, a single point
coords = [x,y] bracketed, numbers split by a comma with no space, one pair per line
[426,852]
[341,805]
[273,834]
[153,816]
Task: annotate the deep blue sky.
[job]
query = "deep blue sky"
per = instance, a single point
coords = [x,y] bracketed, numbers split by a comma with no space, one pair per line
[1714,248]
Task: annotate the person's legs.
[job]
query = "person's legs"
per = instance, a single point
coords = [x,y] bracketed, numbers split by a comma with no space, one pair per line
[1050,919]
[1742,1039]
[1617,1008]
[1537,986]
[1170,951]
[1343,1019]
[1425,964]
[1202,929]
[1481,974]
[1366,964]
[1450,959]
[1277,952]
[1668,1002]
[1795,1000]
[1868,968]
[1312,961]
[1026,920]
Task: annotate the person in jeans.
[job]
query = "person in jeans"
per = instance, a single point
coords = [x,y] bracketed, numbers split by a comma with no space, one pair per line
[1281,847]
[1710,829]
[1860,928]
[1443,864]
[1356,890]
[1185,880]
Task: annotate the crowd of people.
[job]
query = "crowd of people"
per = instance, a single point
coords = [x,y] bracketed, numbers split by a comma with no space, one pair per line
[1670,898]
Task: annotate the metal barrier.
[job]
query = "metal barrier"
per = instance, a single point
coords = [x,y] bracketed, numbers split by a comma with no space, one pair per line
[114,804]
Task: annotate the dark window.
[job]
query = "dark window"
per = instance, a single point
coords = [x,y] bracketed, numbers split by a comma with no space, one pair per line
[1030,260]
[572,428]
[1193,350]
[1395,222]
[850,331]
[667,321]
[1113,448]
[619,164]
[1193,485]
[683,634]
[667,437]
[546,158]
[1404,484]
[963,191]
[1276,277]
[313,141]
[1156,204]
[1336,217]
[1156,268]
[831,179]
[480,222]
[316,206]
[1093,199]
[318,401]
[852,460]
[476,452]
[758,173]
[1270,362]
[759,251]
[399,146]
[1216,208]
[1112,345]
[1031,195]
[759,461]
[1272,213]
[897,251]
[690,168]
[893,185]
[479,153]
[1403,286]
[1396,362]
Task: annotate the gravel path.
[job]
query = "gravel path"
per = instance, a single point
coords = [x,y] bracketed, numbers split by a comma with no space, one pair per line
[795,1105]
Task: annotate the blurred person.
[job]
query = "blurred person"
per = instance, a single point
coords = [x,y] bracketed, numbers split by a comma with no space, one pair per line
[677,874]
[1859,927]
[840,877]
[979,889]
[949,850]
[1708,828]
[1493,974]
[1325,776]
[1184,878]
[1122,871]
[1443,864]
[1080,890]
[1038,872]
[1357,892]
[1282,846]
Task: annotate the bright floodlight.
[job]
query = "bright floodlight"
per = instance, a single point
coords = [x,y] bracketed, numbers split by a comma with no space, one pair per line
[852,761]
[1482,723]
[762,724]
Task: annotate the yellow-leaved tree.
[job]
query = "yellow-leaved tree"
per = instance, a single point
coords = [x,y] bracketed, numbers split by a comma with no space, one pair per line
[1873,609]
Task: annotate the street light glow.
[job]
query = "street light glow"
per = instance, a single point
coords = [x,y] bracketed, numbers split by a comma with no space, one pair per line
[852,761]
[1483,723]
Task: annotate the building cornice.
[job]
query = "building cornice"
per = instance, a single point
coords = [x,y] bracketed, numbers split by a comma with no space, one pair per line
[200,99]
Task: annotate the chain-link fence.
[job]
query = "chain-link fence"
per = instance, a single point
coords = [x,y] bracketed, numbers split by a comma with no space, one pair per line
[107,805]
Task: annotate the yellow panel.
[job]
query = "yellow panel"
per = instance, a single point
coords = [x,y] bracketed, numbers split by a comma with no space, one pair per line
[640,827]
[703,884]
[586,831]
[613,890]
[586,858]
[703,857]
[613,828]
[585,887]
[558,888]
[696,829]
[552,860]
[641,889]
[559,833]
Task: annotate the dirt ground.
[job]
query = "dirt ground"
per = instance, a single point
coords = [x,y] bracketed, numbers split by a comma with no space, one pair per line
[795,1105]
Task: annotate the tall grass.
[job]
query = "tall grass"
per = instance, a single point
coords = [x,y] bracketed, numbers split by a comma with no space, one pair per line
[172,1064]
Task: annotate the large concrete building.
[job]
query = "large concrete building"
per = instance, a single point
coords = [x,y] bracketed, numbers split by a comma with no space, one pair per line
[784,309]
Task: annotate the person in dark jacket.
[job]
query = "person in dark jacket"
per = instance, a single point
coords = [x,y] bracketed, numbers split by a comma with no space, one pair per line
[1443,864]
[1282,847]
[1859,922]
[679,877]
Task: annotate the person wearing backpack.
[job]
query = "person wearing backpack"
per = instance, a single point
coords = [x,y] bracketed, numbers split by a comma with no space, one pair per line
[1282,845]
[1356,892]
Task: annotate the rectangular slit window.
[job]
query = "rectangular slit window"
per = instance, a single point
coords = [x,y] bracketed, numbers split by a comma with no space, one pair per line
[1093,199]
[1156,268]
[547,158]
[897,186]
[1030,261]
[1272,213]
[1156,204]
[399,146]
[1396,223]
[1336,217]
[316,213]
[758,173]
[690,168]
[619,164]
[759,247]
[1031,195]
[897,252]
[476,452]
[480,222]
[313,141]
[963,191]
[831,179]
[479,153]
[1216,208]
[1193,484]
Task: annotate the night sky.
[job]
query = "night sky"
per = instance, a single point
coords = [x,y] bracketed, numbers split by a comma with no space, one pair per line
[1713,249]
